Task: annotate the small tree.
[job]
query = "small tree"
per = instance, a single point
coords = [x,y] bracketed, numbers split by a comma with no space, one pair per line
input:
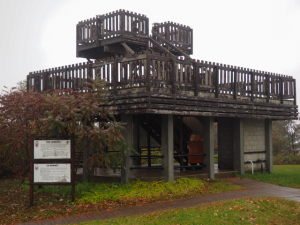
[286,137]
[293,134]
[23,113]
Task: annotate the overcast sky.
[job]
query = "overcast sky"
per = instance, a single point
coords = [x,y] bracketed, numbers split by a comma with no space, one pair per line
[256,34]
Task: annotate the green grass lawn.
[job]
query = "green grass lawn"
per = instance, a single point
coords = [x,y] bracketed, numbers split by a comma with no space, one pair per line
[267,210]
[54,201]
[283,175]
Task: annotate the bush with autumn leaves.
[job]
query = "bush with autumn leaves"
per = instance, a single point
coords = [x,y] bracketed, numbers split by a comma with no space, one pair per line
[23,113]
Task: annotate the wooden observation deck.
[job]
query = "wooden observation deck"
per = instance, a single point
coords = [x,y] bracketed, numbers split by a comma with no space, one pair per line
[174,96]
[156,75]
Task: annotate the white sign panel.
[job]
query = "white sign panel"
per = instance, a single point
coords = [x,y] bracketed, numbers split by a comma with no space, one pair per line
[52,172]
[52,149]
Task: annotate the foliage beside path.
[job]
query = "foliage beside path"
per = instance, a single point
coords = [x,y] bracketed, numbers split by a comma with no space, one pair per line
[283,175]
[55,201]
[266,210]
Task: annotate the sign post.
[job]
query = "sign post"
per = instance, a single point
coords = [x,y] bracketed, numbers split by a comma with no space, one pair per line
[52,162]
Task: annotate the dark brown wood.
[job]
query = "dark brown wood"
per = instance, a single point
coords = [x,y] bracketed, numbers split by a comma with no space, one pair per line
[163,77]
[267,88]
[281,89]
[31,172]
[115,76]
[235,91]
[295,94]
[148,73]
[196,75]
[252,84]
[216,80]
[173,75]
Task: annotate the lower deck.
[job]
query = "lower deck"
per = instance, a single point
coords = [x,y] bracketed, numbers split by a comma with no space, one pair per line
[144,173]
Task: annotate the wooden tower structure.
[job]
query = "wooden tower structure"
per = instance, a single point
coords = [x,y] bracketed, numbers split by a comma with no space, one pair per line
[172,100]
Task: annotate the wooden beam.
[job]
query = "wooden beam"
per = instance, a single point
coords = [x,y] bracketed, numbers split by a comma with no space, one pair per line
[160,47]
[127,48]
[171,45]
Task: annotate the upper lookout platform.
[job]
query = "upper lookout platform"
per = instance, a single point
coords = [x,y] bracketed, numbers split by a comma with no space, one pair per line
[154,74]
[122,32]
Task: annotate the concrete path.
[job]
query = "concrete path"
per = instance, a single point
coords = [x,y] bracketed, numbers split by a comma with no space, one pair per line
[254,189]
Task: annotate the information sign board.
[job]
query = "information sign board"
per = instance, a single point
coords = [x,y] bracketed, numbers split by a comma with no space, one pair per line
[54,172]
[52,162]
[52,149]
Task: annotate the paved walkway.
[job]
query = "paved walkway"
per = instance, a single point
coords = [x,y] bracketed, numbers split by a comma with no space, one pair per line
[254,189]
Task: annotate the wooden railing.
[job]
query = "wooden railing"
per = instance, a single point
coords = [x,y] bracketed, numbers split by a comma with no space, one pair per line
[154,72]
[179,35]
[111,25]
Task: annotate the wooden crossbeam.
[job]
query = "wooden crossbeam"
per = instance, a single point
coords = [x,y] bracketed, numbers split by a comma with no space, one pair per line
[171,45]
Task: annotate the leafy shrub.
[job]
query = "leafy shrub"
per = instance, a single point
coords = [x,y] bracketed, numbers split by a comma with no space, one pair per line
[60,112]
[103,192]
[286,159]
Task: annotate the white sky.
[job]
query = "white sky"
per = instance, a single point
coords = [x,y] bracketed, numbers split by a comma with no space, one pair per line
[256,34]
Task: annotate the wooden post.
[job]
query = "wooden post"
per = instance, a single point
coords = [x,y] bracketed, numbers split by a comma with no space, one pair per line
[123,25]
[267,88]
[99,31]
[66,77]
[235,83]
[31,171]
[281,90]
[147,27]
[295,96]
[89,73]
[173,75]
[216,75]
[196,72]
[252,85]
[148,72]
[28,80]
[115,76]
[73,166]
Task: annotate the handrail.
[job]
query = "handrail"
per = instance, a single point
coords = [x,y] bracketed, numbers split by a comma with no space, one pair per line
[164,72]
[110,25]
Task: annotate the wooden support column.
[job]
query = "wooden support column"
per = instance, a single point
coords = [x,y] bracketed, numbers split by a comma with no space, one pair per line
[268,144]
[126,173]
[238,145]
[208,146]
[167,142]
